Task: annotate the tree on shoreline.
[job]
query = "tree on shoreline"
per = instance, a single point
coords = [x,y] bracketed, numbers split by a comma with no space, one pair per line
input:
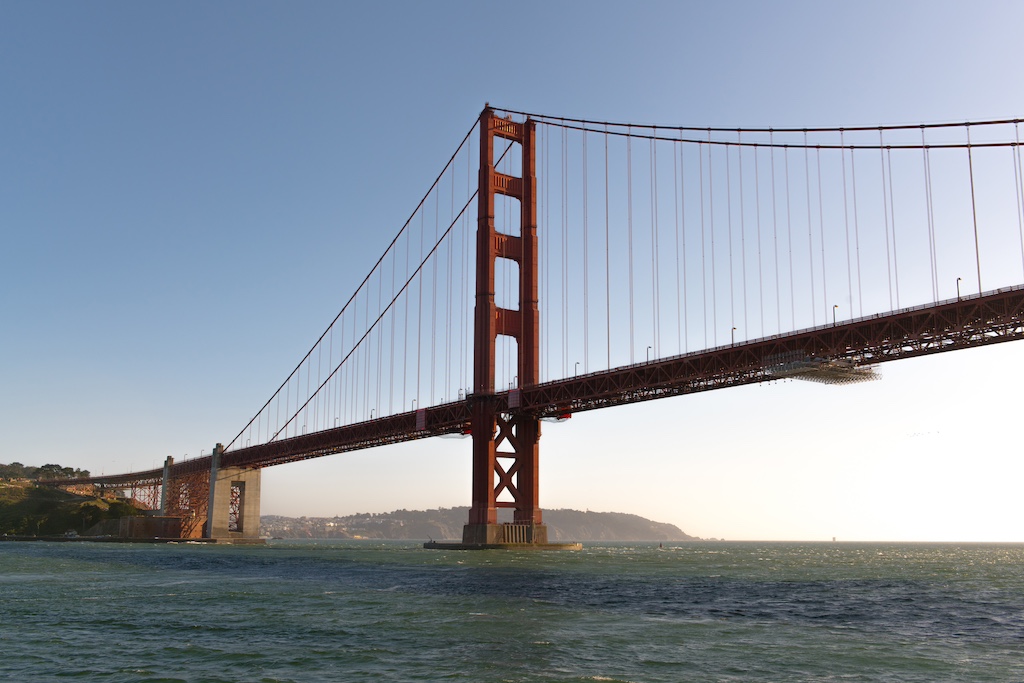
[16,470]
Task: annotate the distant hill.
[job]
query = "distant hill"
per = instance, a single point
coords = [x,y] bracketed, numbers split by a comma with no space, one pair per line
[447,523]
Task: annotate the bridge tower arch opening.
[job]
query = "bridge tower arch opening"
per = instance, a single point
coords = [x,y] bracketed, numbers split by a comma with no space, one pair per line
[506,445]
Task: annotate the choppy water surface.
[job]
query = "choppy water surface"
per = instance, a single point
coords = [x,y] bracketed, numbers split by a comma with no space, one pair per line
[362,611]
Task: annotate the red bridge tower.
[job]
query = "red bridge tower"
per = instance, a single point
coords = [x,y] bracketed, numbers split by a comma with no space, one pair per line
[505,445]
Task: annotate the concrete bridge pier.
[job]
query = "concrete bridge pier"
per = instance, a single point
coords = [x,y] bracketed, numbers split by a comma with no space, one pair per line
[165,484]
[233,513]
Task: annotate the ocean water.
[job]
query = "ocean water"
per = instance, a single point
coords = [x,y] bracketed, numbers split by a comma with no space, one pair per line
[373,611]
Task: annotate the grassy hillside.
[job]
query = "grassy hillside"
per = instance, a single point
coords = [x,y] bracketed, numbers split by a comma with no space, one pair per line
[446,523]
[30,510]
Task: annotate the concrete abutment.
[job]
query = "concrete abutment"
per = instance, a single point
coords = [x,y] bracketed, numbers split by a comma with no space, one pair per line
[233,512]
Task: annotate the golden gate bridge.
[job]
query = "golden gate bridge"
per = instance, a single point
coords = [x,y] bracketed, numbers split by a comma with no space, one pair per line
[560,265]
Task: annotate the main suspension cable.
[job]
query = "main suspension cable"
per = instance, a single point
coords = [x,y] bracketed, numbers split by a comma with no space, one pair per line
[559,120]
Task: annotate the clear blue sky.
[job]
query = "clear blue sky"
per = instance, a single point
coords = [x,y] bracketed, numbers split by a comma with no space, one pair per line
[190,191]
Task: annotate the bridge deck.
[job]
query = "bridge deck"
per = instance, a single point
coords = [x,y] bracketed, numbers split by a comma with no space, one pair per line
[969,321]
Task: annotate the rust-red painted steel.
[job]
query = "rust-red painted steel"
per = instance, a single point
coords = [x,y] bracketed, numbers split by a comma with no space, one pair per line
[521,432]
[947,326]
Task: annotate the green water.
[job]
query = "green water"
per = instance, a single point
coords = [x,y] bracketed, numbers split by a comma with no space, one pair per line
[362,611]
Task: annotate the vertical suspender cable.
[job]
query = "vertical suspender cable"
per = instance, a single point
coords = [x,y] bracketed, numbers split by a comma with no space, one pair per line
[743,236]
[433,300]
[546,272]
[354,365]
[405,331]
[703,249]
[892,205]
[367,349]
[629,229]
[586,269]
[328,403]
[565,249]
[931,215]
[789,240]
[856,229]
[548,256]
[368,360]
[419,319]
[472,181]
[341,411]
[300,413]
[607,258]
[1018,189]
[821,227]
[655,277]
[287,410]
[675,232]
[974,209]
[682,229]
[728,213]
[298,398]
[316,404]
[287,405]
[380,341]
[569,307]
[375,388]
[316,409]
[391,357]
[711,220]
[309,410]
[810,232]
[846,220]
[463,285]
[775,236]
[885,211]
[448,304]
[757,208]
[353,377]
[310,397]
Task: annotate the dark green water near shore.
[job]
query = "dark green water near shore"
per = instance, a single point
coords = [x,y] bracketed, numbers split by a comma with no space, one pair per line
[362,611]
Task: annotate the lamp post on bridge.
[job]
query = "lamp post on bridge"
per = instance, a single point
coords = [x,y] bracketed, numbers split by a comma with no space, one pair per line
[958,288]
[648,353]
[732,338]
[835,307]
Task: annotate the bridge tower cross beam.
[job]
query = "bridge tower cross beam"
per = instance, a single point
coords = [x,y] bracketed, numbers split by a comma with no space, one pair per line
[518,431]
